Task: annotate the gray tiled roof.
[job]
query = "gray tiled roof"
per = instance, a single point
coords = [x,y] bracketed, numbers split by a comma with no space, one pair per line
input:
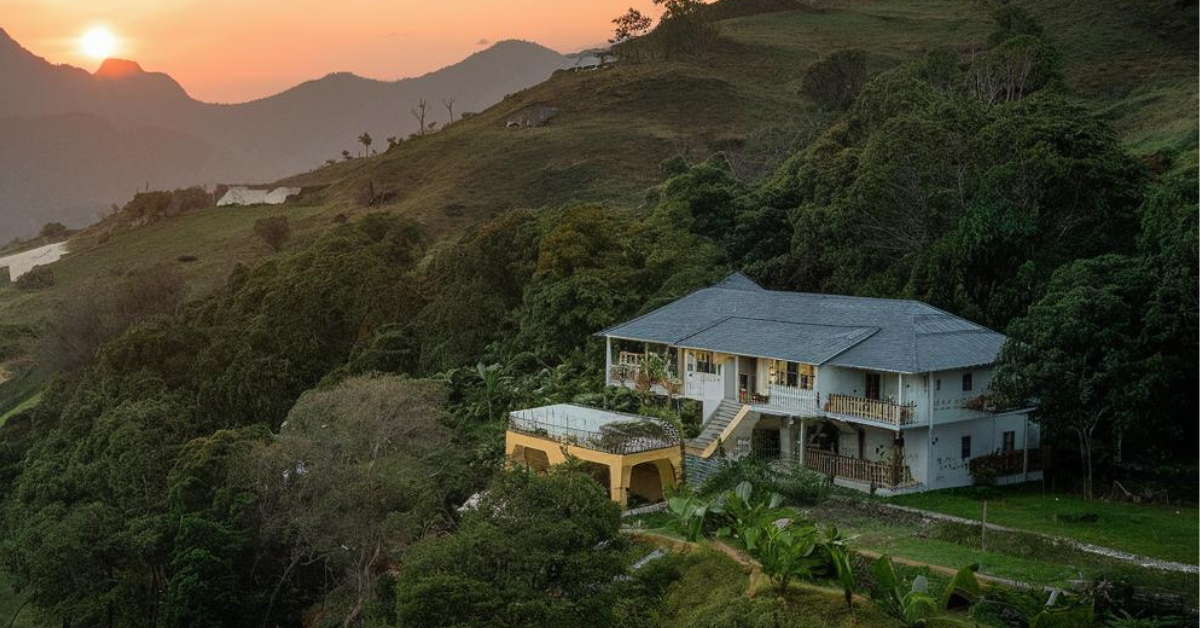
[738,316]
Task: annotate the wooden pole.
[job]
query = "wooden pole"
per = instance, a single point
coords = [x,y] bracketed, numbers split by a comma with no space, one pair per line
[983,530]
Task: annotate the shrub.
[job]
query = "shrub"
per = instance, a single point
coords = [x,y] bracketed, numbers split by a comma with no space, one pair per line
[835,81]
[796,484]
[37,278]
[52,230]
[274,230]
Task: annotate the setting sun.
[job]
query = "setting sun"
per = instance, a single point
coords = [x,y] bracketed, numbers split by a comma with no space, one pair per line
[98,42]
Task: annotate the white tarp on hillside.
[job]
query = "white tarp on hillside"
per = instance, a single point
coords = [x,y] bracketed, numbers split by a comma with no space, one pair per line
[243,195]
[20,263]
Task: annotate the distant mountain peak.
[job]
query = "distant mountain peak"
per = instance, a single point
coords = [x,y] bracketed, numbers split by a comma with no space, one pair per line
[118,68]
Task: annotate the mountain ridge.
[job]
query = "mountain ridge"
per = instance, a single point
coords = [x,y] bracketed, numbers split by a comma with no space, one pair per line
[292,131]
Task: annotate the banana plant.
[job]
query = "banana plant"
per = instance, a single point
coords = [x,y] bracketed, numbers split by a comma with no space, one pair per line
[690,513]
[839,554]
[915,607]
[787,551]
[748,514]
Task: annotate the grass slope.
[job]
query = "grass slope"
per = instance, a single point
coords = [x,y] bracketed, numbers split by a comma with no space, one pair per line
[1164,532]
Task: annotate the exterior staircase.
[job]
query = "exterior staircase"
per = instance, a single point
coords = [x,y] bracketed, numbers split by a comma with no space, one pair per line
[725,413]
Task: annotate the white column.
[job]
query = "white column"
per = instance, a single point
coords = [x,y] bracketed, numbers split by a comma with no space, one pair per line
[803,439]
[736,384]
[608,361]
[929,379]
[1025,450]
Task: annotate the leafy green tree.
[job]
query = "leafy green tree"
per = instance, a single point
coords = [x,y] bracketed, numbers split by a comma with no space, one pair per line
[1077,353]
[834,81]
[539,550]
[350,482]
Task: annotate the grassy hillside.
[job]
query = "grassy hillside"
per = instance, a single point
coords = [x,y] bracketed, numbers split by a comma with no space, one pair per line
[1134,63]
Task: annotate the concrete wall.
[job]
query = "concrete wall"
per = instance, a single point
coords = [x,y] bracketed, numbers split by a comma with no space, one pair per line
[948,401]
[949,467]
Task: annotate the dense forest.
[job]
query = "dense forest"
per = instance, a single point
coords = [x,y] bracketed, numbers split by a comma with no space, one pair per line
[292,448]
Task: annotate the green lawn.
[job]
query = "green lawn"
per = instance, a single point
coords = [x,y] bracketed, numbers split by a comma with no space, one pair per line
[1012,557]
[1160,532]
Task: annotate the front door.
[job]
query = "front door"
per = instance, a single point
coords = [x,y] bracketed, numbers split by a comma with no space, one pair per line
[873,386]
[747,384]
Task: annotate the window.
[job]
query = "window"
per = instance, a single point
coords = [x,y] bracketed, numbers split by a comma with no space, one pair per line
[808,376]
[792,374]
[705,363]
[966,447]
[967,382]
[937,384]
[1009,440]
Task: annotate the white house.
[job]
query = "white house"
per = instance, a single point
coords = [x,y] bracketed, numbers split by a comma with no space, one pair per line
[881,394]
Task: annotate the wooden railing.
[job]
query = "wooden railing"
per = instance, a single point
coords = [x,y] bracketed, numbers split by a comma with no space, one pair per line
[869,471]
[874,409]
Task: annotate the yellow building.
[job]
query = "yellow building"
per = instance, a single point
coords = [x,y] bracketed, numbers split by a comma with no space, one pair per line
[630,454]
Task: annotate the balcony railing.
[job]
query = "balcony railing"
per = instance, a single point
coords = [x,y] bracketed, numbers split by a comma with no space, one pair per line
[786,399]
[873,409]
[703,385]
[869,471]
[627,437]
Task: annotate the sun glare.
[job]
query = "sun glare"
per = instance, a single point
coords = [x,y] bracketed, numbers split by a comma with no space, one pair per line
[98,42]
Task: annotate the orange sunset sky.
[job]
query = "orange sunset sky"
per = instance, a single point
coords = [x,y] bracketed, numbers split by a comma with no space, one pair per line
[236,50]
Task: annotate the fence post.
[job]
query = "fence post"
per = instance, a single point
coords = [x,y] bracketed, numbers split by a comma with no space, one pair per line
[983,530]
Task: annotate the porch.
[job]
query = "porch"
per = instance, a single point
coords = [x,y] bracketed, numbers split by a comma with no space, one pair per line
[891,475]
[850,454]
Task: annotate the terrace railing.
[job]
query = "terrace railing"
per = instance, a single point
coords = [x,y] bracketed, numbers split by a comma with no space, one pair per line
[798,401]
[703,385]
[873,409]
[884,474]
[622,438]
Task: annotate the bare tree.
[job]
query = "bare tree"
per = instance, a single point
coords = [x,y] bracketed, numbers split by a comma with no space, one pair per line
[419,112]
[448,103]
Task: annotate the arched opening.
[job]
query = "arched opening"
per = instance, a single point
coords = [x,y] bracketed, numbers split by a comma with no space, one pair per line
[535,459]
[648,481]
[599,472]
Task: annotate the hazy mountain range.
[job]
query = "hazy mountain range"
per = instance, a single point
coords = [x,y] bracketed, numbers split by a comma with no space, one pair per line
[73,142]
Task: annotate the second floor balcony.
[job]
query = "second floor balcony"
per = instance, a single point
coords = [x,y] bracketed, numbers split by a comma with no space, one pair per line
[879,410]
[784,399]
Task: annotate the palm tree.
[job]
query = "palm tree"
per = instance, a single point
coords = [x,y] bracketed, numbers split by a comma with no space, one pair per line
[365,140]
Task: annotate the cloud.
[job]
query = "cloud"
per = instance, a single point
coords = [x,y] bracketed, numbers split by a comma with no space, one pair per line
[483,41]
